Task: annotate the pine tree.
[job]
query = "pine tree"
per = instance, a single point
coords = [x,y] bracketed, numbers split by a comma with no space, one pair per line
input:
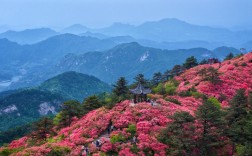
[237,118]
[212,75]
[70,109]
[91,103]
[179,135]
[190,62]
[229,56]
[43,128]
[157,78]
[210,117]
[120,88]
[166,75]
[204,61]
[140,79]
[176,70]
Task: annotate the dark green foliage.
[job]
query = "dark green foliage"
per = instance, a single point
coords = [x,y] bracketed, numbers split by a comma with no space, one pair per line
[185,93]
[210,117]
[140,79]
[244,64]
[210,74]
[190,62]
[73,85]
[42,128]
[176,70]
[229,56]
[59,151]
[204,61]
[166,75]
[179,135]
[237,116]
[176,101]
[157,78]
[120,89]
[69,109]
[27,103]
[17,132]
[91,103]
[8,152]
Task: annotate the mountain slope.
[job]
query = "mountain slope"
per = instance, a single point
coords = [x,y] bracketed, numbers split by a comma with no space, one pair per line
[128,59]
[234,74]
[28,36]
[143,120]
[73,85]
[30,104]
[27,105]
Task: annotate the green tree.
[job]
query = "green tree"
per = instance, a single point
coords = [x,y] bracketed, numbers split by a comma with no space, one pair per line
[210,74]
[140,79]
[166,75]
[121,89]
[179,135]
[229,56]
[70,109]
[210,117]
[157,78]
[190,62]
[43,128]
[204,61]
[91,103]
[176,70]
[237,118]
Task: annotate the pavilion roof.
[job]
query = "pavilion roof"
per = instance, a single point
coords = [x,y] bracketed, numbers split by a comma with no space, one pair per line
[140,89]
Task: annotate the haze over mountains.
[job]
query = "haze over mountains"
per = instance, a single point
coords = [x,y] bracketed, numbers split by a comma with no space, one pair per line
[31,56]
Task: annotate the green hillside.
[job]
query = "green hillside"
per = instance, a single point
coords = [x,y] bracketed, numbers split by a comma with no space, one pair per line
[73,85]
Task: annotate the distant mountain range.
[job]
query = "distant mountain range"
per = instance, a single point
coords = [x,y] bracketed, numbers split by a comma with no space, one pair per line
[29,65]
[169,31]
[28,36]
[21,106]
[118,50]
[130,59]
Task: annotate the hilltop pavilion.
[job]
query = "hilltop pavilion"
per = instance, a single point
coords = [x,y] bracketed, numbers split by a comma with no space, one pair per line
[140,93]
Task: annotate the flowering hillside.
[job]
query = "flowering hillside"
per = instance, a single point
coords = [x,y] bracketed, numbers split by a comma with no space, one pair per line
[147,119]
[144,120]
[234,74]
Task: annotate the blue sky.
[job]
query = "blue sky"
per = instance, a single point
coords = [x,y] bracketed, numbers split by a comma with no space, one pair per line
[100,13]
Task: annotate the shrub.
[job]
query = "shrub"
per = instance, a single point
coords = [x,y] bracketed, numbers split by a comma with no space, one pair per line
[159,89]
[117,138]
[185,93]
[59,151]
[176,101]
[170,88]
[196,95]
[132,129]
[7,151]
[214,101]
[244,64]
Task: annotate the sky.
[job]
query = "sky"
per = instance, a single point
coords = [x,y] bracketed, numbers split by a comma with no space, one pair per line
[101,13]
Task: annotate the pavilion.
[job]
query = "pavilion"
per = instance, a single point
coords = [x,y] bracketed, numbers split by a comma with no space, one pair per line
[140,93]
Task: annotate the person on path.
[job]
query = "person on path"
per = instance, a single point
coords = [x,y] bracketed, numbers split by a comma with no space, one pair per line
[111,128]
[134,139]
[86,150]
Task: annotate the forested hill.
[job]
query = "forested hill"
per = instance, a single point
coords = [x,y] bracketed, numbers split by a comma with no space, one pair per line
[204,111]
[25,105]
[74,85]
